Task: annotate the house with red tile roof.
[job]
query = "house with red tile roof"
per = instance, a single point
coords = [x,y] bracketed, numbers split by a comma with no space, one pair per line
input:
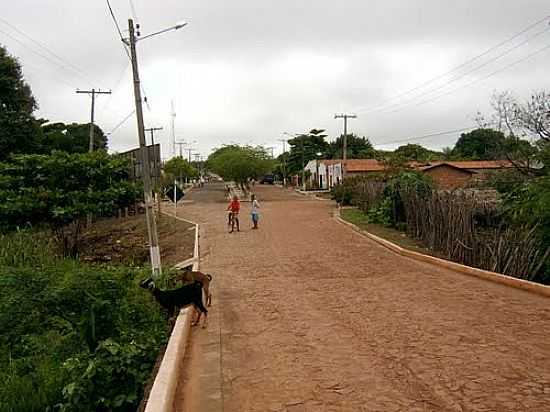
[326,174]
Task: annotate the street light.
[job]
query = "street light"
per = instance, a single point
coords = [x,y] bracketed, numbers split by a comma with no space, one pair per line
[176,27]
[144,153]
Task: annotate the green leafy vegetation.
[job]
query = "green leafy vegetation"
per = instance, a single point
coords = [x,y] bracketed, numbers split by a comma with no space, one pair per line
[72,337]
[60,189]
[240,163]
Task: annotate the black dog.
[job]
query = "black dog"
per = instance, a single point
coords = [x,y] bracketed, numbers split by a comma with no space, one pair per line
[178,298]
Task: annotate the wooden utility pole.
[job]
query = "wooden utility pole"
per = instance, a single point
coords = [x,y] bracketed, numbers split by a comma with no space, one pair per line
[92,92]
[345,144]
[152,130]
[146,166]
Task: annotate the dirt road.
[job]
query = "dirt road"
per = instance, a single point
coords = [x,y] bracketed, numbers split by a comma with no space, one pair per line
[311,316]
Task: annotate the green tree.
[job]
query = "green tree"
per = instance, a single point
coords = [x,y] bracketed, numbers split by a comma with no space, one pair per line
[304,148]
[179,168]
[357,148]
[59,190]
[72,138]
[240,163]
[480,144]
[416,152]
[19,131]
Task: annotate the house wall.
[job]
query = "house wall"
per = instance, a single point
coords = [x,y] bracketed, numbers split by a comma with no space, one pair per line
[447,178]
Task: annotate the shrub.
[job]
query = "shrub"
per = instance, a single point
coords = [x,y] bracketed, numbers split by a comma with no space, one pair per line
[74,337]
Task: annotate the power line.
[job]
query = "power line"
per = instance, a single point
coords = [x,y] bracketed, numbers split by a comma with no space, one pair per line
[119,124]
[426,136]
[471,60]
[117,26]
[47,49]
[49,59]
[437,97]
[458,77]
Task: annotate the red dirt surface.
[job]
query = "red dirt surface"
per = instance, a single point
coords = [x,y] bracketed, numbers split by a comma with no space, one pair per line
[315,317]
[125,241]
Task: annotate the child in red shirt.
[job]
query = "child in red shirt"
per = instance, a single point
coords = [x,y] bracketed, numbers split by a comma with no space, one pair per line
[234,207]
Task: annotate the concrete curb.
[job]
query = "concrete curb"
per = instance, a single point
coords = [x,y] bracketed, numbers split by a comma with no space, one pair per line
[313,195]
[467,270]
[161,397]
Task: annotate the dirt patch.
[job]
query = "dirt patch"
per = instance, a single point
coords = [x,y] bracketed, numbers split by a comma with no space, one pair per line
[125,241]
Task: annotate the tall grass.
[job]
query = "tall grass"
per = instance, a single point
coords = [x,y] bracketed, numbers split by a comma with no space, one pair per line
[73,336]
[28,247]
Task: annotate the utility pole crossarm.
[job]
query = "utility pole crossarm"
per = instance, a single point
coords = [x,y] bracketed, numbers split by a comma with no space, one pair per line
[345,116]
[152,130]
[93,92]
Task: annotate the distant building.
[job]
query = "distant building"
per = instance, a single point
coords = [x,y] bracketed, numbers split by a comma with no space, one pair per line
[136,168]
[326,174]
[453,175]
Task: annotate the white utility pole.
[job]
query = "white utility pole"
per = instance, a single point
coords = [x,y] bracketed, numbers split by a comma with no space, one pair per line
[173,116]
[284,161]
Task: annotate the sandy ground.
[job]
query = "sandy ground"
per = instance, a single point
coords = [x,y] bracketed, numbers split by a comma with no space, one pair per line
[311,316]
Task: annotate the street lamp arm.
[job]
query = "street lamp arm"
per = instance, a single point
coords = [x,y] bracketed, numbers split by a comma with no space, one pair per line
[176,27]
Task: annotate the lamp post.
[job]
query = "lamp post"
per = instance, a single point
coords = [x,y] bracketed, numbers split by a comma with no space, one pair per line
[144,152]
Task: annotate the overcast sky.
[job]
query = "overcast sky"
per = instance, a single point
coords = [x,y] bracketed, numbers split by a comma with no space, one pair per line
[247,70]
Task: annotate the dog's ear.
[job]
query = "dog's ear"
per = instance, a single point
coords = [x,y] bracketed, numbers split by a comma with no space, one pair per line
[209,276]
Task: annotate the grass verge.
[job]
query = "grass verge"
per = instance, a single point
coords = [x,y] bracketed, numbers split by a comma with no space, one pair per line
[360,219]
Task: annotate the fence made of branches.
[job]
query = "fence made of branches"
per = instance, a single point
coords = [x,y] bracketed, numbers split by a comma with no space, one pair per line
[466,229]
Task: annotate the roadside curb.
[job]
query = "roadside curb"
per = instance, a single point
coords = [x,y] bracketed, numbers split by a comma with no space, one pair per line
[161,397]
[313,194]
[467,270]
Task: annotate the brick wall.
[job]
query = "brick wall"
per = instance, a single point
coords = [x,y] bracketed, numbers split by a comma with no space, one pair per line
[447,177]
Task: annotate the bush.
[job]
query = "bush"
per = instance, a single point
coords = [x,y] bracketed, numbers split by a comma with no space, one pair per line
[381,213]
[342,194]
[75,337]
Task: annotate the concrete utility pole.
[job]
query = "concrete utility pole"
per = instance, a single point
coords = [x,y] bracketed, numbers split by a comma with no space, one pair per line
[173,118]
[93,92]
[284,161]
[303,163]
[180,144]
[345,145]
[146,165]
[152,130]
[189,150]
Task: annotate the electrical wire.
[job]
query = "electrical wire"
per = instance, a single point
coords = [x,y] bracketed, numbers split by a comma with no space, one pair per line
[62,60]
[47,58]
[451,81]
[515,63]
[471,60]
[122,122]
[117,26]
[426,136]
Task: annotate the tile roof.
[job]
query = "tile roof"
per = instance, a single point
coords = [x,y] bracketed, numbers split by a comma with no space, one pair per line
[469,164]
[364,165]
